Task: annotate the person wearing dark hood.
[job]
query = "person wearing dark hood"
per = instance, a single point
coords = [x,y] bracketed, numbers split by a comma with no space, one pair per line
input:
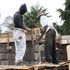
[19,34]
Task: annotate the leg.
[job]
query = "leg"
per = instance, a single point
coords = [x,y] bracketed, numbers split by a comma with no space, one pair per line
[54,53]
[20,45]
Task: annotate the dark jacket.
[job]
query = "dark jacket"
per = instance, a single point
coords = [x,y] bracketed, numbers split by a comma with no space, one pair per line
[18,18]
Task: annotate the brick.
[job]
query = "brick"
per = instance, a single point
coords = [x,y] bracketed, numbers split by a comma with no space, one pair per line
[2,56]
[3,48]
[4,62]
[11,62]
[9,56]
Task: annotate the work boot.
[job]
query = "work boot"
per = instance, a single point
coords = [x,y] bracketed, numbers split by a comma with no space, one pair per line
[19,63]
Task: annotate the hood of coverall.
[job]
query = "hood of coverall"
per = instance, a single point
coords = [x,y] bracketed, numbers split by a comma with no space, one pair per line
[23,9]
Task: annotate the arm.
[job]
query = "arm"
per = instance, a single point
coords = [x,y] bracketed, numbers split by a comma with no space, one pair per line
[25,27]
[18,19]
[43,32]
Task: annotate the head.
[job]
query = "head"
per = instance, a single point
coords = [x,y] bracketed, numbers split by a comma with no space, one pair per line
[23,9]
[39,14]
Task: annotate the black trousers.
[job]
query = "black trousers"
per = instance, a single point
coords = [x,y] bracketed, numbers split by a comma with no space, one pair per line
[50,47]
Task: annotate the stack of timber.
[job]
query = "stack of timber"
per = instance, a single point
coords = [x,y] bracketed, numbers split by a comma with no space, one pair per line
[34,67]
[14,67]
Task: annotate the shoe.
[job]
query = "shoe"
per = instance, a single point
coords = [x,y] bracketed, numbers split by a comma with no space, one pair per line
[55,62]
[19,63]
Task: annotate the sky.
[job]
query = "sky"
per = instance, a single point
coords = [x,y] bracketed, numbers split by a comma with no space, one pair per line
[9,7]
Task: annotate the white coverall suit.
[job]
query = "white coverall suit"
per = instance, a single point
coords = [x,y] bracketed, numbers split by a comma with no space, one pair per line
[20,44]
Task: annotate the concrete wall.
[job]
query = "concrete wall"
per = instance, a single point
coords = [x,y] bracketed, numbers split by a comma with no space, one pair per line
[6,56]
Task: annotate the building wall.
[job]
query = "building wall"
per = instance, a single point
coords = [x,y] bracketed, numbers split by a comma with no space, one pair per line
[6,55]
[63,53]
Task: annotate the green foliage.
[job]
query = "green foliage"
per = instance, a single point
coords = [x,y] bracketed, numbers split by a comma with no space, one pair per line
[65,15]
[31,19]
[63,30]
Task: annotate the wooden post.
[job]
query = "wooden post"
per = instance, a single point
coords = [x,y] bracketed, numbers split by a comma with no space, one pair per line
[32,37]
[68,54]
[8,42]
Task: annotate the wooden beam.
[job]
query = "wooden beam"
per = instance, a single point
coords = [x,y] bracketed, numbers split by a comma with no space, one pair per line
[14,67]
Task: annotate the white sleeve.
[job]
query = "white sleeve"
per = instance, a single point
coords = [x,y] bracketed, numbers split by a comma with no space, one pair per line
[43,20]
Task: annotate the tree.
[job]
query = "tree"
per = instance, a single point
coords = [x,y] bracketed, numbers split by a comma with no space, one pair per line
[31,17]
[8,24]
[65,15]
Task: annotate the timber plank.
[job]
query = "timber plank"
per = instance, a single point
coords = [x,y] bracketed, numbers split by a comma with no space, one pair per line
[15,67]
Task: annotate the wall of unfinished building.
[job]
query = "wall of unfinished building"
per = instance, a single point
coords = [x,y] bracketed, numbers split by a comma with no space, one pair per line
[7,56]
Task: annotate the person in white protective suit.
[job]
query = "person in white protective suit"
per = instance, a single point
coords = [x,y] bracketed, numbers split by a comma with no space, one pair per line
[19,34]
